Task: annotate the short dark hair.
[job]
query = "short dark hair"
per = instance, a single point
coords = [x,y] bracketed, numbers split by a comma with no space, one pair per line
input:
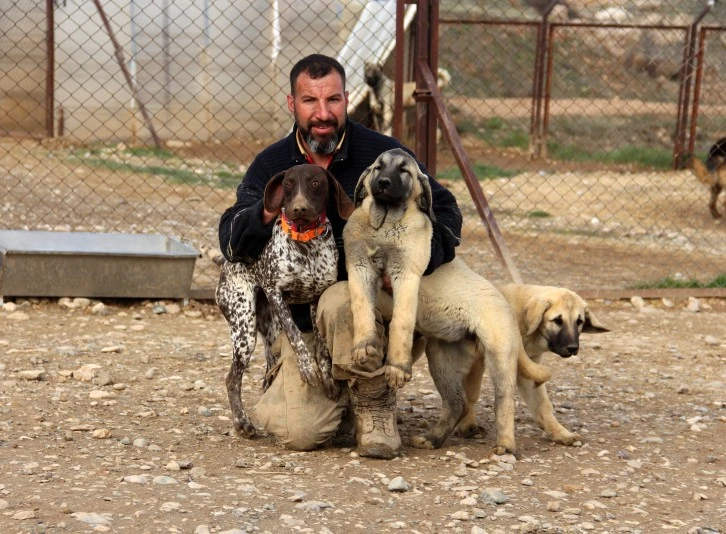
[316,66]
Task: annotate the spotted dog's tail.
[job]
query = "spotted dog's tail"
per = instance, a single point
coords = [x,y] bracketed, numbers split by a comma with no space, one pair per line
[213,254]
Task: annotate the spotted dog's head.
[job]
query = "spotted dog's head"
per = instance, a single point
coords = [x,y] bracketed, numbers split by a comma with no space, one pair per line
[303,192]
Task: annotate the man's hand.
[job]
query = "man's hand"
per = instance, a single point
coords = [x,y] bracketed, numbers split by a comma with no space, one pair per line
[269,216]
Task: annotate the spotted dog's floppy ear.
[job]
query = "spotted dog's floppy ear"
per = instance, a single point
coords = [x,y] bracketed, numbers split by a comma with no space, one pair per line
[360,188]
[342,201]
[274,195]
[425,199]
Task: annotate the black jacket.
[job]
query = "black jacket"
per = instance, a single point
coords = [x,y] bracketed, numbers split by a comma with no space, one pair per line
[242,235]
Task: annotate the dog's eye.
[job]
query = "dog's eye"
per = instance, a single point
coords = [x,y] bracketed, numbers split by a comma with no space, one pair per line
[557,320]
[315,183]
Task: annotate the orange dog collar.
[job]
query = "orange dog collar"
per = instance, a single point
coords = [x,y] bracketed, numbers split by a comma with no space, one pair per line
[304,233]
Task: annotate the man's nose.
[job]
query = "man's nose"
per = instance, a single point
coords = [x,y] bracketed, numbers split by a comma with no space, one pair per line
[322,111]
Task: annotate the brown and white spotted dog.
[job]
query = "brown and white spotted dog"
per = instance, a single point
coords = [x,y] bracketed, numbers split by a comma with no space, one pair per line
[298,263]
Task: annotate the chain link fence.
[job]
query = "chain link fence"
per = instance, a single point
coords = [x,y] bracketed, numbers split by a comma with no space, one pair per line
[141,116]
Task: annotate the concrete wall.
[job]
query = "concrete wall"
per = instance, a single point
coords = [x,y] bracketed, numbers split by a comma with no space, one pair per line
[22,68]
[201,74]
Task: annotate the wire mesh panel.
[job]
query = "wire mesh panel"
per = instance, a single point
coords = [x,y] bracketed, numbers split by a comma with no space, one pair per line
[23,65]
[580,176]
[567,111]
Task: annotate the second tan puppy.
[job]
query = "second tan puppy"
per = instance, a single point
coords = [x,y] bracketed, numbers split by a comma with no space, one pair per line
[466,322]
[388,234]
[550,319]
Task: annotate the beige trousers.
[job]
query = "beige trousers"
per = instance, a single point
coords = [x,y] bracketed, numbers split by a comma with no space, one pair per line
[302,417]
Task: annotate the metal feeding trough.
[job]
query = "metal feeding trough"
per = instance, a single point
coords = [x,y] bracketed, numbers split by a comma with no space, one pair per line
[86,264]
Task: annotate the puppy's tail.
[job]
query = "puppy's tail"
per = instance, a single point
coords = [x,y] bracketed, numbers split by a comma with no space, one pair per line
[213,254]
[701,172]
[539,374]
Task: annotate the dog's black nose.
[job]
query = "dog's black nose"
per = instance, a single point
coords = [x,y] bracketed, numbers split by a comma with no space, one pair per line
[573,349]
[383,183]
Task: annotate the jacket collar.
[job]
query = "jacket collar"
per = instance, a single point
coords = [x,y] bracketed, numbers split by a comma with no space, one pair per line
[341,152]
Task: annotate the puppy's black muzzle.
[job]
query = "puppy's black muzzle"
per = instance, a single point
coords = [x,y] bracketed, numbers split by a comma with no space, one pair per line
[388,189]
[565,351]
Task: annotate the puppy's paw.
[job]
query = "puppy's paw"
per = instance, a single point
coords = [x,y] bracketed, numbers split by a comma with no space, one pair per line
[364,351]
[504,448]
[421,442]
[470,430]
[568,438]
[396,377]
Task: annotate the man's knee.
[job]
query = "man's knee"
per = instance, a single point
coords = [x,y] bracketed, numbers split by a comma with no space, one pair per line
[301,417]
[303,439]
[334,302]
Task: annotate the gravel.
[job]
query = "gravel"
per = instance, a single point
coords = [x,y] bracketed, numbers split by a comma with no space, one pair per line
[114,418]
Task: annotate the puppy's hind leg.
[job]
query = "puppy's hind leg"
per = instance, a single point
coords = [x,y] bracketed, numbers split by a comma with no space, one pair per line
[468,426]
[501,361]
[449,365]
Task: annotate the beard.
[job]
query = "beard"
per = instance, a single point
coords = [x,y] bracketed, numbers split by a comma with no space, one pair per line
[324,145]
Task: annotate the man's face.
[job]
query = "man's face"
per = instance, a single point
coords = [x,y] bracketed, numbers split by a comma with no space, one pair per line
[320,109]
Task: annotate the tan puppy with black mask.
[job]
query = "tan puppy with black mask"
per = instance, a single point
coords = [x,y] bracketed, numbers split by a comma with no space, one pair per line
[550,319]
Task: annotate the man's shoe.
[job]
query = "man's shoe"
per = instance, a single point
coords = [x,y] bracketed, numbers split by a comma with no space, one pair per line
[374,412]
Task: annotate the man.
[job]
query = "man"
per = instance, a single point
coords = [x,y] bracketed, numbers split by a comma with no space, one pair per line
[302,417]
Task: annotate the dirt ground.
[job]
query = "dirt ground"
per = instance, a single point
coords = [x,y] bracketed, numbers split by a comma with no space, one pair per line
[114,415]
[114,418]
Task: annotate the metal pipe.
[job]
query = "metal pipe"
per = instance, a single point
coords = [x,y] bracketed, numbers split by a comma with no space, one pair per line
[685,87]
[467,171]
[697,91]
[547,91]
[122,64]
[420,94]
[49,68]
[397,126]
[538,81]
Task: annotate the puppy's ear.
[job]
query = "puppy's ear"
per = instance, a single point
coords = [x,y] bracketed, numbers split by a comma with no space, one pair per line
[534,313]
[361,190]
[425,200]
[592,324]
[342,201]
[274,195]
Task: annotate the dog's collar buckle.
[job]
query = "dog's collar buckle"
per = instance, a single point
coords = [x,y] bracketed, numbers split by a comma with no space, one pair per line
[304,233]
